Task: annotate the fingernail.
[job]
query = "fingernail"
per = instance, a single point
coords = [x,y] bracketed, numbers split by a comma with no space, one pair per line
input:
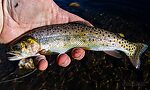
[78,53]
[42,65]
[63,60]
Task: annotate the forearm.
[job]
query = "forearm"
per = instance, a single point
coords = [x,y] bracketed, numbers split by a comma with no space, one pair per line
[17,16]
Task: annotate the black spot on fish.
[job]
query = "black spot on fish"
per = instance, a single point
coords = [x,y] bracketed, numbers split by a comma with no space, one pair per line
[68,28]
[99,39]
[68,39]
[102,30]
[86,28]
[125,41]
[84,40]
[93,39]
[89,39]
[129,49]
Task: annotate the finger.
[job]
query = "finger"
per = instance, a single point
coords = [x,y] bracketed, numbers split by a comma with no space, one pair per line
[41,62]
[63,60]
[78,53]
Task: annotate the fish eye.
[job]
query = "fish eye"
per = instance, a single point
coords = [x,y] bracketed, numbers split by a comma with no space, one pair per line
[16,47]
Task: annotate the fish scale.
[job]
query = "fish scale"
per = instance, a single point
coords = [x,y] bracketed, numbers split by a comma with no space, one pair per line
[62,37]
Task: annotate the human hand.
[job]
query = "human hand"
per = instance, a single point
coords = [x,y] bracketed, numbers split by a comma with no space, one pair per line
[18,16]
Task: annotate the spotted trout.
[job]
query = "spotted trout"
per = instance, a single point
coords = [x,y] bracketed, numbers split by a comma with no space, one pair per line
[62,37]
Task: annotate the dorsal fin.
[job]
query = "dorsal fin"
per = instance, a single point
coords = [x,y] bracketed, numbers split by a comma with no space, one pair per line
[82,23]
[78,22]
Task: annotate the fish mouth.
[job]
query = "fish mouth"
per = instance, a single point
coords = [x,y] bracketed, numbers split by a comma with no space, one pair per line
[16,55]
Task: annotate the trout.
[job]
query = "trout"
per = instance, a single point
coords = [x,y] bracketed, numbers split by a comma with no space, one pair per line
[62,37]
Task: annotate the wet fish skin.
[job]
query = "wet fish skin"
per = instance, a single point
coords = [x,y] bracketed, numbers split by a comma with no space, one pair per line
[62,37]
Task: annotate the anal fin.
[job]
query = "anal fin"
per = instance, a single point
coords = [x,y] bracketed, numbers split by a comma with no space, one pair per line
[114,53]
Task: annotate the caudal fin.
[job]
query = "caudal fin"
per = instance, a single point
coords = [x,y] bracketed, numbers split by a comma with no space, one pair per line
[135,58]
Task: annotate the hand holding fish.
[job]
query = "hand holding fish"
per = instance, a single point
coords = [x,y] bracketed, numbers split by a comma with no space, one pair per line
[18,17]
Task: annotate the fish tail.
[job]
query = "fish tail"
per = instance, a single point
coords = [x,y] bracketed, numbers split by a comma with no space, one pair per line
[135,57]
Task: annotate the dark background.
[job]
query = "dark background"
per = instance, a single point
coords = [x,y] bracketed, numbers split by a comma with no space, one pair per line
[97,70]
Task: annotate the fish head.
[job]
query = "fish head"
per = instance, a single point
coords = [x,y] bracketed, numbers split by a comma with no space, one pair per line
[23,48]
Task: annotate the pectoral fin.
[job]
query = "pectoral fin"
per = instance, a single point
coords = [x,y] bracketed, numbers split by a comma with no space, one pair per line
[44,52]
